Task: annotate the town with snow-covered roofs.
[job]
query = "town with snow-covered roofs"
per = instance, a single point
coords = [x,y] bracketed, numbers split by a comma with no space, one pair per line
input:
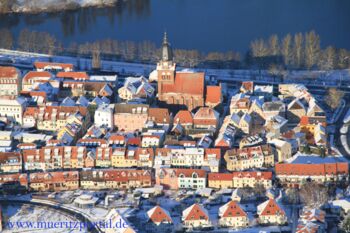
[173,151]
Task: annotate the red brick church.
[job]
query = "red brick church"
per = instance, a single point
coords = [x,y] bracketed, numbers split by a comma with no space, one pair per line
[177,87]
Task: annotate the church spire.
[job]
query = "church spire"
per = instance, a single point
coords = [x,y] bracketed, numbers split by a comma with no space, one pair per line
[167,53]
[165,38]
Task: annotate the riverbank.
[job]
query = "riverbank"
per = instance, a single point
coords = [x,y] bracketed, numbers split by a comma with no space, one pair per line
[40,6]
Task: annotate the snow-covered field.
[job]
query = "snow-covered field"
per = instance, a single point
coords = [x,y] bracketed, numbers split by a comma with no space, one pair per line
[31,213]
[55,5]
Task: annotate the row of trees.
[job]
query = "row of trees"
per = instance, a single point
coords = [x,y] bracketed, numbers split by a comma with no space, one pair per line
[145,51]
[300,51]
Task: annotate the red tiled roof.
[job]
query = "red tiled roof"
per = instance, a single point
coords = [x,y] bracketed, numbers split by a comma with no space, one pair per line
[104,153]
[272,208]
[205,113]
[184,117]
[187,83]
[306,120]
[159,115]
[213,94]
[232,209]
[36,74]
[256,175]
[54,177]
[42,65]
[8,72]
[34,93]
[123,175]
[116,138]
[144,151]
[196,213]
[39,154]
[73,75]
[12,178]
[159,215]
[311,169]
[246,152]
[216,151]
[249,86]
[134,141]
[67,110]
[188,172]
[220,176]
[162,151]
[6,156]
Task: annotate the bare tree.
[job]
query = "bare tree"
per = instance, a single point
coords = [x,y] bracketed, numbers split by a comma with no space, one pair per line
[292,196]
[274,49]
[6,39]
[50,42]
[333,97]
[286,49]
[345,225]
[259,48]
[259,190]
[298,50]
[343,59]
[312,49]
[327,60]
[96,60]
[313,195]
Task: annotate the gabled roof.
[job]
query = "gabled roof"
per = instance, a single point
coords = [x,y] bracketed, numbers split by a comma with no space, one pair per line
[8,72]
[313,215]
[159,115]
[220,176]
[186,83]
[195,212]
[213,94]
[73,75]
[52,65]
[308,227]
[270,207]
[68,102]
[184,117]
[296,104]
[83,101]
[206,113]
[247,86]
[37,74]
[189,172]
[10,157]
[246,118]
[54,177]
[106,90]
[159,215]
[231,209]
[131,108]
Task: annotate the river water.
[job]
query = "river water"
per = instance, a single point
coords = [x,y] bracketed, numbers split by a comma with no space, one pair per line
[205,25]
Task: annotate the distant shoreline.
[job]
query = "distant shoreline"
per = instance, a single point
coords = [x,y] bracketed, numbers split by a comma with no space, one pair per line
[49,6]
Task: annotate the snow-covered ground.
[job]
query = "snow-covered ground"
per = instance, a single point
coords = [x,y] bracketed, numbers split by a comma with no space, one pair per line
[55,5]
[315,78]
[30,214]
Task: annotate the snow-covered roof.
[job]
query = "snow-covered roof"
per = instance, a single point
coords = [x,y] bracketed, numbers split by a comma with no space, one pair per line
[263,88]
[103,78]
[300,158]
[68,102]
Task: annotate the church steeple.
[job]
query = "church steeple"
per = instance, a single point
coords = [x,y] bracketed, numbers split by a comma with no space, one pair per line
[165,67]
[167,53]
